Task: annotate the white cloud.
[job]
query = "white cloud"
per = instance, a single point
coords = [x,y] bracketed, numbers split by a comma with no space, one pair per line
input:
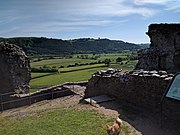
[84,8]
[38,16]
[108,8]
[142,2]
[68,14]
[68,25]
[173,5]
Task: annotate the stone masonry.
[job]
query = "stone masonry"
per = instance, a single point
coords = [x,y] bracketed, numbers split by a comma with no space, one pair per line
[146,84]
[14,69]
[164,51]
[139,87]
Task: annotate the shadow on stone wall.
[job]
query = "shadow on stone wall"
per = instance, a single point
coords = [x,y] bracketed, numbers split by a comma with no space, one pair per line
[13,100]
[139,87]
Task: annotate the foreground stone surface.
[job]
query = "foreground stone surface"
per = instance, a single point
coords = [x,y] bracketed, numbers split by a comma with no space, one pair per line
[164,51]
[14,69]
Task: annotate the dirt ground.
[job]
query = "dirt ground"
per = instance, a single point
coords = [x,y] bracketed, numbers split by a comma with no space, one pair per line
[138,121]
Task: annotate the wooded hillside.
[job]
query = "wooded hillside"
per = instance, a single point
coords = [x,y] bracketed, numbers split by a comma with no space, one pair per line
[44,46]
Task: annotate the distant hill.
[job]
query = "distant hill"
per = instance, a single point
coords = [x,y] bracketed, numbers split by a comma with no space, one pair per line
[48,46]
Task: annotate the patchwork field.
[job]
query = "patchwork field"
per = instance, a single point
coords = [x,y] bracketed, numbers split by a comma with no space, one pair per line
[76,72]
[58,62]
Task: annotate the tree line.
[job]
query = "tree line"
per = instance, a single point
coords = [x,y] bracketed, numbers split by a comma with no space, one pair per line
[34,46]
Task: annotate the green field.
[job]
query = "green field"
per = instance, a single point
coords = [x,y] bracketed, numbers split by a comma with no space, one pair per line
[66,61]
[80,75]
[125,67]
[35,75]
[59,62]
[60,78]
[57,122]
[77,73]
[112,56]
[70,69]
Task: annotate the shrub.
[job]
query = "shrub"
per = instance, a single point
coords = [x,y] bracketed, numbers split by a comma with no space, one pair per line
[45,68]
[107,62]
[61,66]
[119,59]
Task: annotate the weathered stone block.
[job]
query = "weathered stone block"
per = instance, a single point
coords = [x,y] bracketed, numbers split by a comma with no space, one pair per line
[14,68]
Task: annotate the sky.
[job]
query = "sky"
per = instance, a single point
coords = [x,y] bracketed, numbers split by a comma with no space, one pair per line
[126,20]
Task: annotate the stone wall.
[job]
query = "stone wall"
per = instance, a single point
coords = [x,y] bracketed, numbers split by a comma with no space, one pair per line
[164,51]
[57,91]
[139,87]
[14,69]
[145,86]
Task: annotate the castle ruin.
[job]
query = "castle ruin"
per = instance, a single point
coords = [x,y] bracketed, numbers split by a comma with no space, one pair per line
[146,84]
[164,51]
[14,69]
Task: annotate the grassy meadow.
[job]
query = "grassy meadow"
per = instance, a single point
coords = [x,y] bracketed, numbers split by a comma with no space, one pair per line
[57,122]
[83,69]
[60,78]
[59,61]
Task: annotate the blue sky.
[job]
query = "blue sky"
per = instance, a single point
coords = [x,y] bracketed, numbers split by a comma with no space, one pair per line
[126,20]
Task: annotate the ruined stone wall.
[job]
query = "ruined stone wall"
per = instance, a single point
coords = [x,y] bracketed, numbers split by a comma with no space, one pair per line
[164,51]
[142,88]
[56,91]
[14,67]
